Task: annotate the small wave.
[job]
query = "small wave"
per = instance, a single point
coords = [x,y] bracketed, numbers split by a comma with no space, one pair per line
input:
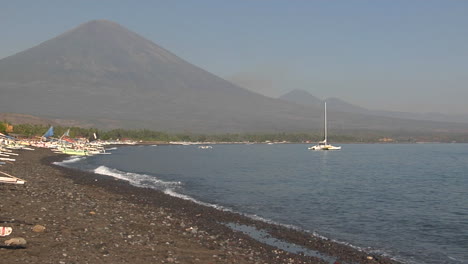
[293,227]
[113,148]
[70,160]
[265,237]
[139,180]
[268,221]
[313,233]
[188,198]
[320,236]
[455,259]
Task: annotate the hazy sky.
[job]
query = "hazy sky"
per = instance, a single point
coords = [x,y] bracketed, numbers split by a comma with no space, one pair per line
[407,55]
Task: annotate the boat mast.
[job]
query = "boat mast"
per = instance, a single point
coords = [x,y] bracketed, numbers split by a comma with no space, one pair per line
[325,123]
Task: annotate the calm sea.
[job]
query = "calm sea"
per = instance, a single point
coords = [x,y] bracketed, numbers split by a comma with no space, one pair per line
[409,202]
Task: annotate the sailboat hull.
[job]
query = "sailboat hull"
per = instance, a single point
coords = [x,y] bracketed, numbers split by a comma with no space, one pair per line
[324,147]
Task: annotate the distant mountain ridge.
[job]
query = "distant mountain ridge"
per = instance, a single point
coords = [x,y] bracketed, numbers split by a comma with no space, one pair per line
[106,76]
[307,99]
[302,97]
[16,119]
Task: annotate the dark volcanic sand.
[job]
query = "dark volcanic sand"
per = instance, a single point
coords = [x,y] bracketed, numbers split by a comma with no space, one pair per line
[91,218]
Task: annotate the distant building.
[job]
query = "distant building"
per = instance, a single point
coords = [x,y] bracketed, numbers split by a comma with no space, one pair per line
[8,128]
[387,140]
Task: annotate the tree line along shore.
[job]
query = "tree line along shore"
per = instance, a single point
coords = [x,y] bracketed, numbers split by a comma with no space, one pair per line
[146,135]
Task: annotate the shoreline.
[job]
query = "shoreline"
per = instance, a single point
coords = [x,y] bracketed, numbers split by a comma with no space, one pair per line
[92,218]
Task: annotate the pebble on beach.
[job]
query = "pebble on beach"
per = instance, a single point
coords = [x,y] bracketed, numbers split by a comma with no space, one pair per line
[16,242]
[38,228]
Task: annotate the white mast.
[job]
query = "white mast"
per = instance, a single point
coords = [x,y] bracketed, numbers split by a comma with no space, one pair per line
[325,123]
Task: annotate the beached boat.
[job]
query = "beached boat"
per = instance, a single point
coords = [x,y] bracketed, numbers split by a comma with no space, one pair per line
[49,133]
[76,152]
[10,179]
[323,145]
[17,147]
[205,147]
[96,150]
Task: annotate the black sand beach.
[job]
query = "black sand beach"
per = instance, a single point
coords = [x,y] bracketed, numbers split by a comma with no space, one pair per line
[90,218]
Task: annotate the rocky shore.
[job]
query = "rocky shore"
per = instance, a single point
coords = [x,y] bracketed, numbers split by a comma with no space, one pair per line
[70,216]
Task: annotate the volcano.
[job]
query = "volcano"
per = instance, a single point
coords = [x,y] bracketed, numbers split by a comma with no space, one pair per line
[106,76]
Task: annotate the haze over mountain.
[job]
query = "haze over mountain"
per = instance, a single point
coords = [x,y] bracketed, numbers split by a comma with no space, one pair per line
[107,76]
[105,72]
[302,97]
[305,98]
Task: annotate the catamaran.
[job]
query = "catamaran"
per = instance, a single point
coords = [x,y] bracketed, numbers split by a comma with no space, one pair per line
[323,145]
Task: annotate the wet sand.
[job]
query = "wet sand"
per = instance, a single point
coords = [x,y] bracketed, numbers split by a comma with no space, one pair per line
[91,218]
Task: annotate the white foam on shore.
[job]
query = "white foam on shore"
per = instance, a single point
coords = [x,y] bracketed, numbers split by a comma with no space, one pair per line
[136,179]
[293,227]
[148,181]
[268,221]
[188,198]
[70,160]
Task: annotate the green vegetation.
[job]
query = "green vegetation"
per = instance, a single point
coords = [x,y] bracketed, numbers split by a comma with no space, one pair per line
[30,131]
[3,127]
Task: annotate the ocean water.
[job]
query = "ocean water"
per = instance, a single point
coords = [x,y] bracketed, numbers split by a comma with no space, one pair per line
[406,201]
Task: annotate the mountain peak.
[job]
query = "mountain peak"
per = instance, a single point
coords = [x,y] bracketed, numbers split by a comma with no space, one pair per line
[98,25]
[298,92]
[100,28]
[90,51]
[302,97]
[95,22]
